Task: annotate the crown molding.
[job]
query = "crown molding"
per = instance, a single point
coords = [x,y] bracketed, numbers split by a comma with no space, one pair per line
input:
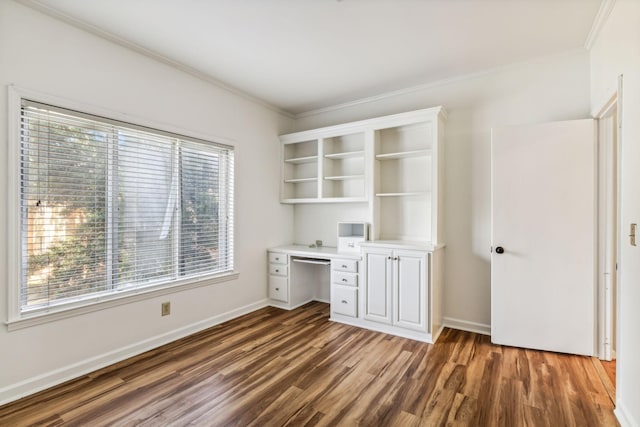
[606,6]
[92,29]
[435,84]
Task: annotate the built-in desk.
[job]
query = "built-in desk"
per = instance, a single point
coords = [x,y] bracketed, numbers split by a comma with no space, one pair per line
[299,274]
[389,286]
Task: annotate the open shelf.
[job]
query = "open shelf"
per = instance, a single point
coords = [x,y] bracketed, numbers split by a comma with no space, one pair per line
[345,155]
[393,164]
[403,154]
[404,194]
[296,180]
[344,177]
[306,159]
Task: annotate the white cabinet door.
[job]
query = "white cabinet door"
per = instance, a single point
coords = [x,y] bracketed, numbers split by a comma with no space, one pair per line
[543,237]
[410,290]
[377,285]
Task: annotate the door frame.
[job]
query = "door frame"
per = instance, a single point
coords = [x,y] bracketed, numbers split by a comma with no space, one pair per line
[606,304]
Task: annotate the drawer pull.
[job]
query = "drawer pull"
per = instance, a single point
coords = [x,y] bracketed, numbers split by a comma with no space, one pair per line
[344,280]
[277,271]
[344,266]
[277,289]
[344,301]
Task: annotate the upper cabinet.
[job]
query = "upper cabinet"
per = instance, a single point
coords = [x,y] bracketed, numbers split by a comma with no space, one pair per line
[394,163]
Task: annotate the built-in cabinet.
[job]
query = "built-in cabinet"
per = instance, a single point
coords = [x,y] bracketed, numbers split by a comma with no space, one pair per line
[390,167]
[344,287]
[278,277]
[396,287]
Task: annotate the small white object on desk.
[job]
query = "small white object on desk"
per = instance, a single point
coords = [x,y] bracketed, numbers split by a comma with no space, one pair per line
[350,235]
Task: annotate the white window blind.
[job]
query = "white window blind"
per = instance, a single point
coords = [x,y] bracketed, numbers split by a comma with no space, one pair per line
[108,206]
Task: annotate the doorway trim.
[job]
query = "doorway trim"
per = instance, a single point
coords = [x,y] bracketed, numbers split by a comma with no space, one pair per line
[608,225]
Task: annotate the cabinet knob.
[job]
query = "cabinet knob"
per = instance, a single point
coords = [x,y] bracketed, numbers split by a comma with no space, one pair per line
[389,258]
[344,280]
[499,250]
[277,289]
[277,271]
[344,301]
[344,266]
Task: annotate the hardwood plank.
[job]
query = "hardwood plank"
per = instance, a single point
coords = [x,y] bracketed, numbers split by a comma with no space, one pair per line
[295,368]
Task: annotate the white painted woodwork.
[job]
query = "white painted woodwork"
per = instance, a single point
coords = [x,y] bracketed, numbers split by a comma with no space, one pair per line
[277,258]
[350,279]
[319,168]
[543,215]
[348,265]
[279,288]
[608,201]
[378,284]
[278,277]
[410,290]
[278,270]
[394,164]
[395,287]
[308,275]
[344,300]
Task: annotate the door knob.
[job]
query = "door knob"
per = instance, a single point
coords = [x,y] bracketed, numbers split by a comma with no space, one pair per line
[499,250]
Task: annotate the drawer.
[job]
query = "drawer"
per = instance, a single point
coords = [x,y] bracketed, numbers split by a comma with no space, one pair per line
[344,300]
[340,278]
[349,244]
[278,269]
[278,288]
[277,258]
[348,265]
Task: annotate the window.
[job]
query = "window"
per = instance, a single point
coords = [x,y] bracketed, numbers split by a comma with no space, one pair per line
[109,208]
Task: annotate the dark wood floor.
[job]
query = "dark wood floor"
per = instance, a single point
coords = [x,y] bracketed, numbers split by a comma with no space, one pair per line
[273,368]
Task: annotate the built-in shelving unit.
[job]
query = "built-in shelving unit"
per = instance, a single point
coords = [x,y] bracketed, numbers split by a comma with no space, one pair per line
[324,168]
[392,163]
[404,163]
[391,171]
[300,170]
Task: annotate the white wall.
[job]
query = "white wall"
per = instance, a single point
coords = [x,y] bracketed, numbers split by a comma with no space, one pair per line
[549,89]
[43,54]
[617,51]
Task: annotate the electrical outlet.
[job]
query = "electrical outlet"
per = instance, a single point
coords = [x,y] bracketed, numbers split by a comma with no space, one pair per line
[166,308]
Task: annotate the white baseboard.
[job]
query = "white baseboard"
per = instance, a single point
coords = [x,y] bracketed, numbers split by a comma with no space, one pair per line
[58,376]
[624,417]
[465,325]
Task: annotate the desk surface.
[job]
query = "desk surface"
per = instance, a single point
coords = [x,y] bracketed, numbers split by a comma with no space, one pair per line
[324,252]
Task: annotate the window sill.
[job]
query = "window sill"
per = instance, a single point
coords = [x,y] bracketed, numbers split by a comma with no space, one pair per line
[57,313]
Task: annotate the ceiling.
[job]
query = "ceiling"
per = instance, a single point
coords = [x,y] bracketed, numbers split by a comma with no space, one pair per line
[302,55]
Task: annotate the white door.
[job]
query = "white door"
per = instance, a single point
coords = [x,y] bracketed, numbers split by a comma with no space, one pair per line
[543,237]
[410,296]
[377,285]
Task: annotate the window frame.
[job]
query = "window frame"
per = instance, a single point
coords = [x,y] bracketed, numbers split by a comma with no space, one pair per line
[16,319]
